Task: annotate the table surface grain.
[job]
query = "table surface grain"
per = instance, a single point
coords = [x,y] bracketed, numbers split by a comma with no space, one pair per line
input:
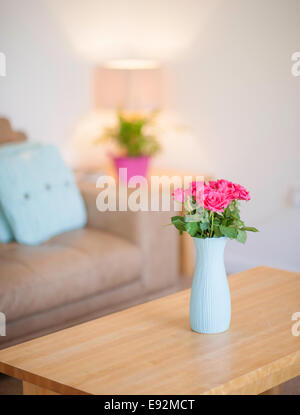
[150,348]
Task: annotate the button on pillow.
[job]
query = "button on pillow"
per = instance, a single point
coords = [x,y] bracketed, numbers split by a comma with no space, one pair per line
[34,195]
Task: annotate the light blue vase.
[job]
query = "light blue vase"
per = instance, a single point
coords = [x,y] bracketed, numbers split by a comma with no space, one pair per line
[210,306]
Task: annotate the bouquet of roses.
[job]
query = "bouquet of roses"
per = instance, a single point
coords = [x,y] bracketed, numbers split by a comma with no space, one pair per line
[212,210]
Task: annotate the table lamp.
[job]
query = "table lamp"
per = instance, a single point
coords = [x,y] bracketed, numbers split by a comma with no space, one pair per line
[130,84]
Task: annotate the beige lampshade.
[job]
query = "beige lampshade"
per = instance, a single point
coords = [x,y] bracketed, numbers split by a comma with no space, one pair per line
[129,84]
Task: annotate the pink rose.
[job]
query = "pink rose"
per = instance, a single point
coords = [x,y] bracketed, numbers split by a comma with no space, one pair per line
[196,187]
[232,190]
[243,194]
[216,196]
[216,201]
[198,190]
[178,195]
[226,187]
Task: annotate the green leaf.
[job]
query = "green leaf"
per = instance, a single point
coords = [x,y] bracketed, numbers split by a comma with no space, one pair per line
[189,205]
[217,231]
[196,217]
[227,213]
[249,228]
[228,231]
[241,236]
[178,222]
[204,226]
[192,228]
[229,221]
[205,216]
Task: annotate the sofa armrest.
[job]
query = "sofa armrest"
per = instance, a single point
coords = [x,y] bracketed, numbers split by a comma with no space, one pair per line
[159,244]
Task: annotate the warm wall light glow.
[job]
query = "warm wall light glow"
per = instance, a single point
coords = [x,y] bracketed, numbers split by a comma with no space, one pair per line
[131,64]
[101,30]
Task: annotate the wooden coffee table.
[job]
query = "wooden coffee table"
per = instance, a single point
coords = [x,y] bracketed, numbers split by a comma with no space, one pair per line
[150,348]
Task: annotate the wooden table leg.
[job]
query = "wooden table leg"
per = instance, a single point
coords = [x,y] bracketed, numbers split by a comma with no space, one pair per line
[277,390]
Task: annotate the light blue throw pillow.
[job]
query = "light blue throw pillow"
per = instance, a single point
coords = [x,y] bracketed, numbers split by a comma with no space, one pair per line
[6,234]
[11,148]
[39,195]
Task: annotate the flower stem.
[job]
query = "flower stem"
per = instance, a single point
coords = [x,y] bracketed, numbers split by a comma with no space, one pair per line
[212,224]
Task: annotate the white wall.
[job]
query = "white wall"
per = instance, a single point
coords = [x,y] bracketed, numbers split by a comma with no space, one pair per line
[231,62]
[47,86]
[237,91]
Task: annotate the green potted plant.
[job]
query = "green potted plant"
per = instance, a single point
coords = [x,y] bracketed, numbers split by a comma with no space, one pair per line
[135,140]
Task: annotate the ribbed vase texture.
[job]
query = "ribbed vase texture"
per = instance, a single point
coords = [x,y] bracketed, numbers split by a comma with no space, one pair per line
[210,306]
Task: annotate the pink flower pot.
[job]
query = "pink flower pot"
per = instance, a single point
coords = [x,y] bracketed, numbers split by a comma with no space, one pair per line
[136,166]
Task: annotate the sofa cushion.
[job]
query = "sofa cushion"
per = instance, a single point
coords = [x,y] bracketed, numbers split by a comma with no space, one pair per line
[6,234]
[67,268]
[39,195]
